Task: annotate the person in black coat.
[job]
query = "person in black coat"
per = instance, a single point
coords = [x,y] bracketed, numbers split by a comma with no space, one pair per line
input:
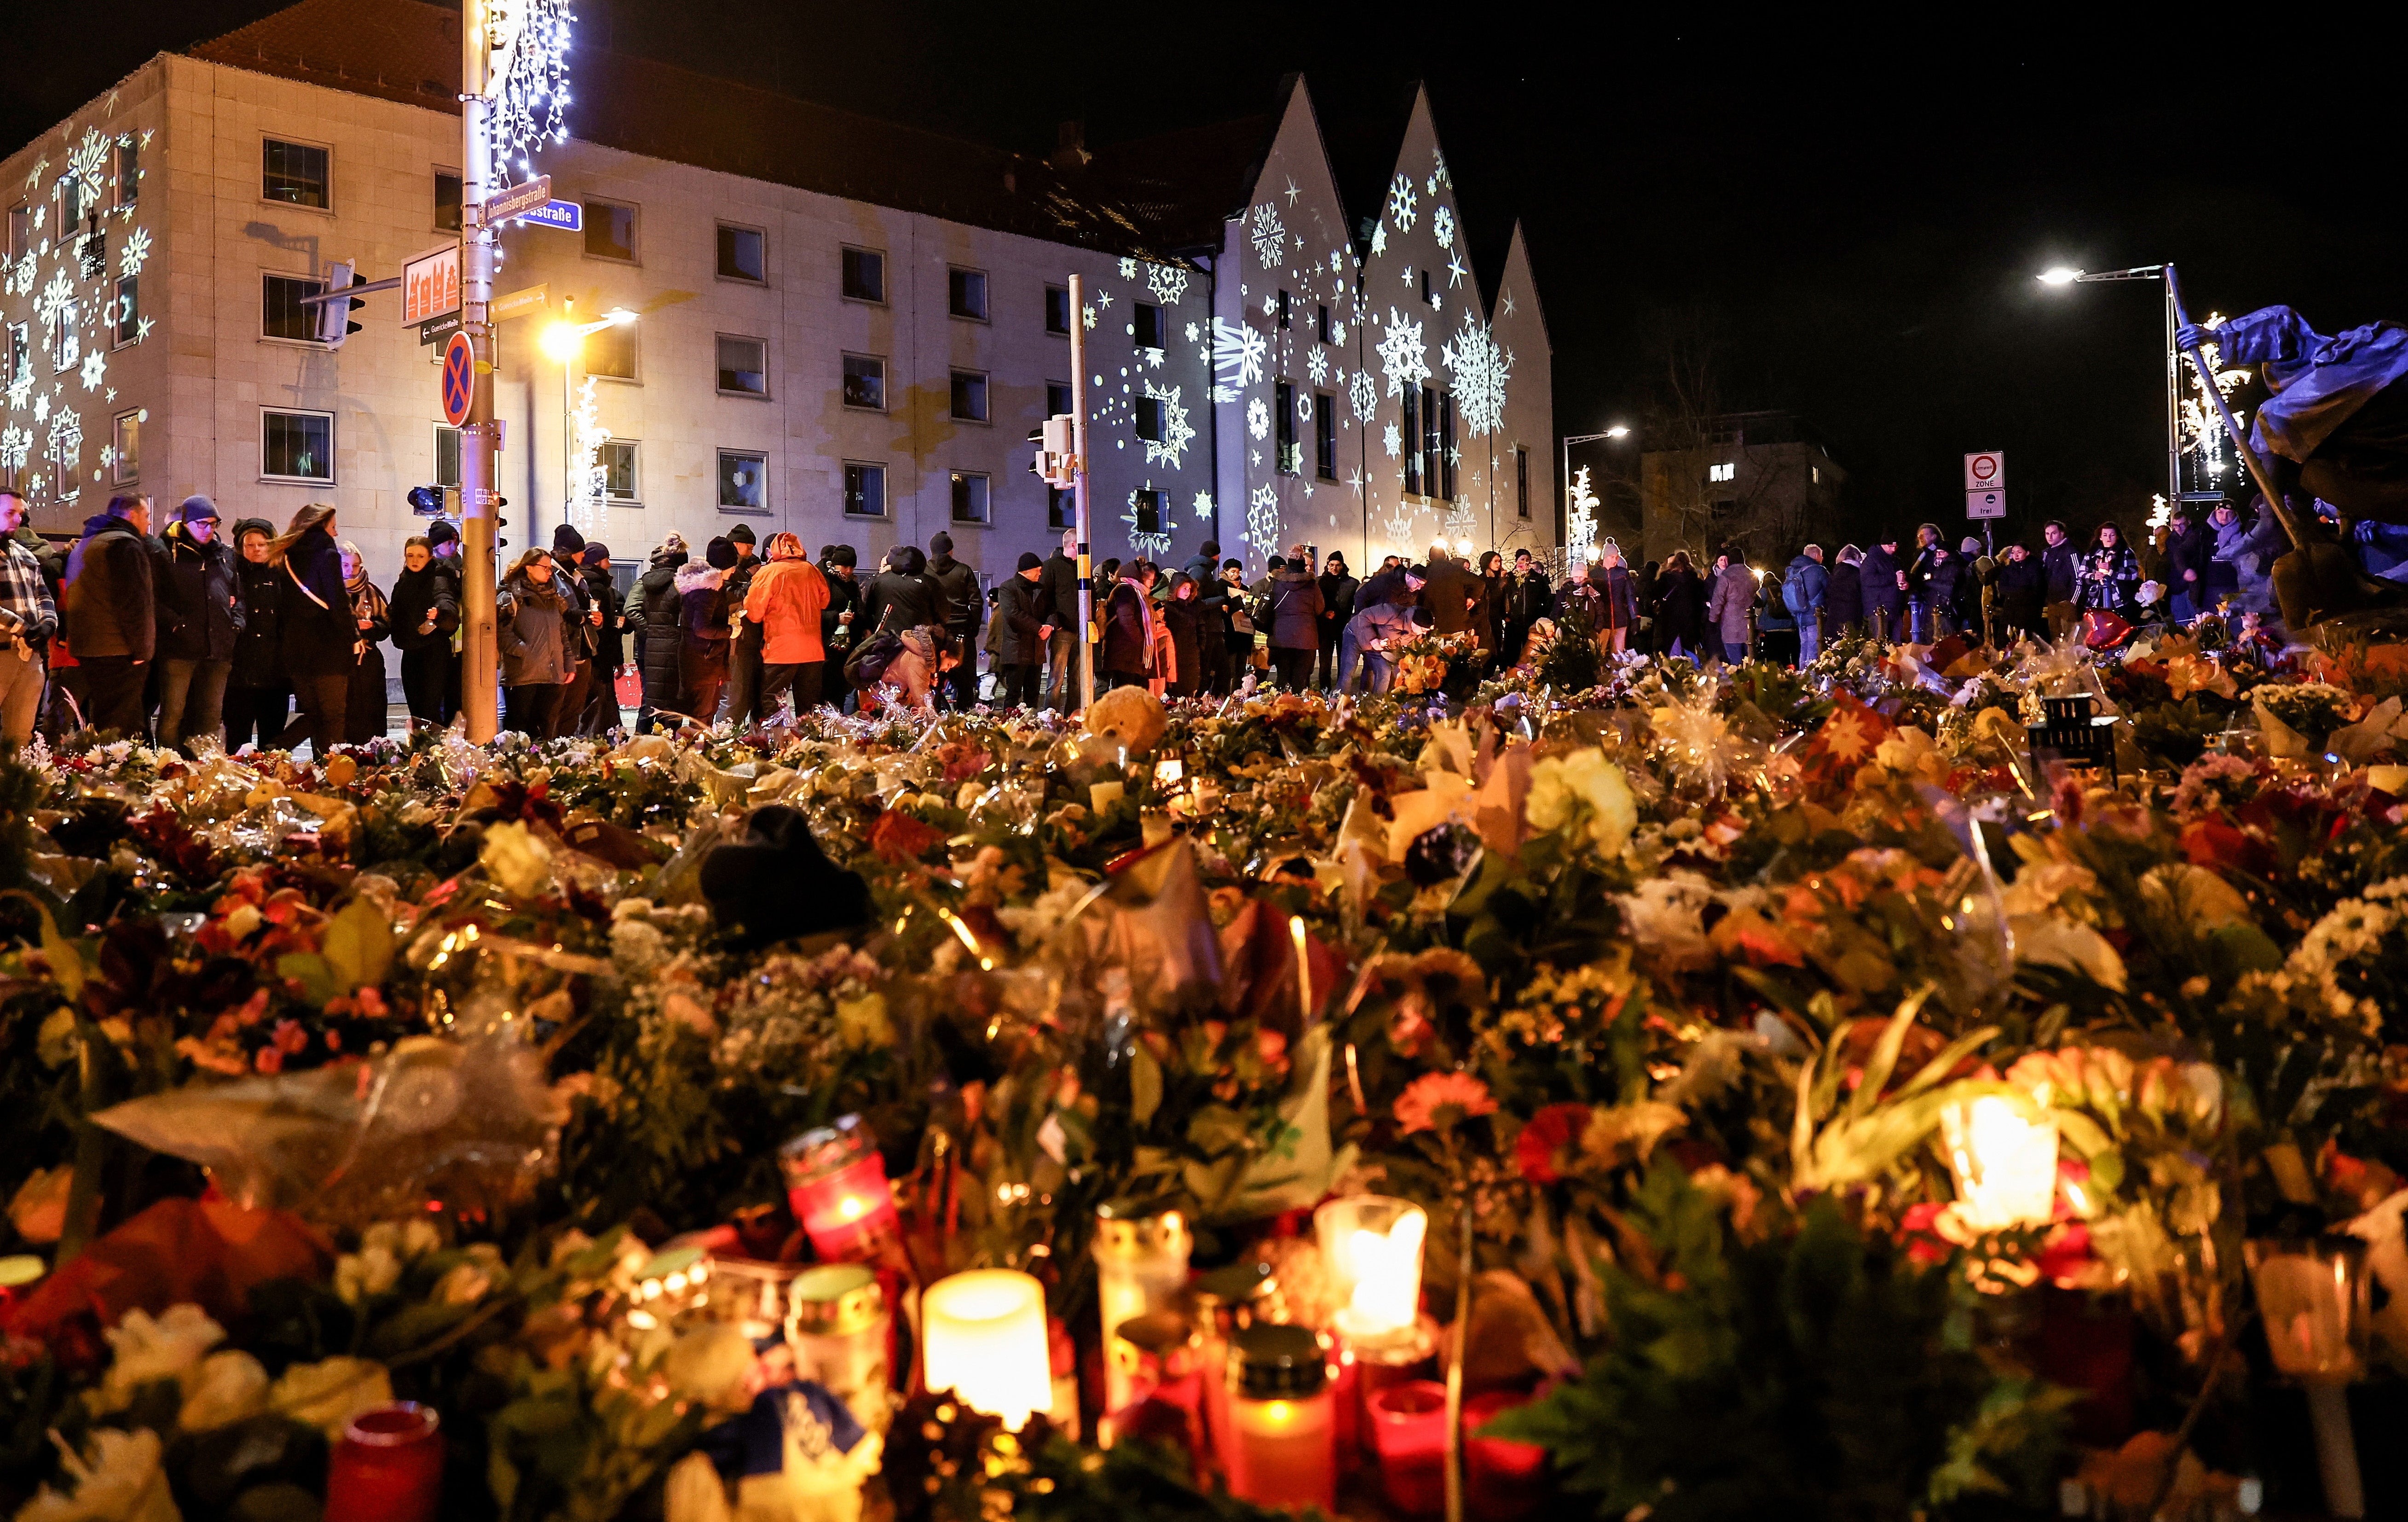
[1885,600]
[1126,658]
[2190,549]
[1058,585]
[200,618]
[1338,589]
[1016,638]
[838,620]
[2022,598]
[1183,616]
[608,637]
[2060,564]
[901,596]
[258,694]
[659,638]
[317,639]
[1680,607]
[425,613]
[1844,600]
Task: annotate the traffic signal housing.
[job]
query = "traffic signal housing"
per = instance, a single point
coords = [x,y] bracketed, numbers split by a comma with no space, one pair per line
[335,321]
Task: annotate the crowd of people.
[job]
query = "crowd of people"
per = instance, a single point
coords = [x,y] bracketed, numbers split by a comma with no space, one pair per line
[179,629]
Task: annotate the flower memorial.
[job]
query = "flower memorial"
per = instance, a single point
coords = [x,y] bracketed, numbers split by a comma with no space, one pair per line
[1847,1093]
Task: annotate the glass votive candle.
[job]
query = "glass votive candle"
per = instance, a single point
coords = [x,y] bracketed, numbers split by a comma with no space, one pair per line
[2315,1302]
[2005,1165]
[983,1337]
[1141,1266]
[1409,1433]
[836,1182]
[388,1467]
[1225,1300]
[1372,1246]
[1502,1479]
[1282,1420]
[839,1327]
[1165,1401]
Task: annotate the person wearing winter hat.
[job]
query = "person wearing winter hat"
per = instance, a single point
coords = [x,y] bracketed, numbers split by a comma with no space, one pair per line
[965,613]
[744,659]
[773,883]
[703,631]
[659,640]
[200,617]
[425,611]
[606,616]
[1020,633]
[838,563]
[258,694]
[781,614]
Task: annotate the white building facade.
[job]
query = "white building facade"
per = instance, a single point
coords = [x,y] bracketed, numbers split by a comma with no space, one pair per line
[841,328]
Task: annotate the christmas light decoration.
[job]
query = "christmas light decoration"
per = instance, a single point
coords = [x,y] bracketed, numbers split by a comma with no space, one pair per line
[530,92]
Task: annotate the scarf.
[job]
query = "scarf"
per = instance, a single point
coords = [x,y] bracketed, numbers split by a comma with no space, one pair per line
[366,602]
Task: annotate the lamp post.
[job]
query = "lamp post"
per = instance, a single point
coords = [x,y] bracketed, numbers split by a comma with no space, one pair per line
[1618,431]
[563,341]
[2061,276]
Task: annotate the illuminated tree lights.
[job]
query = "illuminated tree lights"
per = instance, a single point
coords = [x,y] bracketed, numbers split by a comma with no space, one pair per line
[1582,526]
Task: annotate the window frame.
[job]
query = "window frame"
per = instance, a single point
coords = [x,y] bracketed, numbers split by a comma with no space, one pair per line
[984,394]
[460,220]
[1522,483]
[1068,315]
[721,226]
[1069,399]
[635,447]
[1287,459]
[20,230]
[985,492]
[1061,507]
[441,429]
[317,288]
[1425,286]
[128,153]
[127,329]
[1141,314]
[19,355]
[324,209]
[845,493]
[841,283]
[1321,323]
[1324,437]
[1141,409]
[1286,310]
[1137,511]
[631,334]
[119,425]
[634,258]
[719,371]
[1410,407]
[719,479]
[268,477]
[847,356]
[969,277]
[65,330]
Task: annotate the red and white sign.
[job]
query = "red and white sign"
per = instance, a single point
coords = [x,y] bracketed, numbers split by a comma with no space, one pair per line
[1986,471]
[430,285]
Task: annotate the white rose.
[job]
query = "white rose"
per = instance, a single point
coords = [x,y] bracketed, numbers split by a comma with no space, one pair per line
[327,1395]
[227,1388]
[119,1480]
[164,1348]
[517,859]
[371,1271]
[465,1284]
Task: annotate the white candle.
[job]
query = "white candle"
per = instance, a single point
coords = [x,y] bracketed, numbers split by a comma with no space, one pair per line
[2005,1165]
[1372,1249]
[984,1340]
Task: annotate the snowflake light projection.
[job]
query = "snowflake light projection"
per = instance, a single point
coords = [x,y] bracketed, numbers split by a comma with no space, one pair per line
[1442,225]
[1364,393]
[66,440]
[1128,268]
[1480,369]
[1269,237]
[95,369]
[1304,406]
[16,445]
[1404,359]
[1380,238]
[136,249]
[1392,440]
[1155,541]
[1177,432]
[1403,205]
[1203,511]
[1316,365]
[88,161]
[56,298]
[21,390]
[1258,417]
[1439,175]
[1583,525]
[1165,283]
[1263,519]
[1238,354]
[531,97]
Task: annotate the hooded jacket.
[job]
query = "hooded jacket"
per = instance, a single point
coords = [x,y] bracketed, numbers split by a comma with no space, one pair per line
[531,633]
[1843,599]
[316,633]
[1726,606]
[200,601]
[702,603]
[784,601]
[964,607]
[897,601]
[1296,612]
[415,594]
[258,654]
[656,620]
[609,640]
[111,591]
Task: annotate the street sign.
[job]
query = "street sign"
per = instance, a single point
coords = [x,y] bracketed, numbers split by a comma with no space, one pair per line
[1986,470]
[459,380]
[523,197]
[1986,504]
[430,284]
[435,329]
[533,298]
[568,216]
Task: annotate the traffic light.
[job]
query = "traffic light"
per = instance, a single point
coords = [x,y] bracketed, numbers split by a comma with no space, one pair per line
[335,321]
[426,501]
[1054,464]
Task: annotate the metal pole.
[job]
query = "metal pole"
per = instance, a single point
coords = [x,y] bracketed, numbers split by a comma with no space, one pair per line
[1084,647]
[479,495]
[2173,407]
[568,427]
[2258,475]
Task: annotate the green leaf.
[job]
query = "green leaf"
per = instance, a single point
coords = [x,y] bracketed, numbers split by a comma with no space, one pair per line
[358,945]
[312,971]
[1145,1085]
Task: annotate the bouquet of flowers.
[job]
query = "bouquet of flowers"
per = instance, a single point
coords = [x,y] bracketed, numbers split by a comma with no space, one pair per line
[1422,658]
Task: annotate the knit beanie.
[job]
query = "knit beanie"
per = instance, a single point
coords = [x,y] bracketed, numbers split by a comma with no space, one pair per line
[568,541]
[720,554]
[1028,560]
[843,554]
[741,534]
[441,531]
[940,543]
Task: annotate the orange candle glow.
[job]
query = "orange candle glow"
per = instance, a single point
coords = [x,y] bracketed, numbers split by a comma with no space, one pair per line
[985,1339]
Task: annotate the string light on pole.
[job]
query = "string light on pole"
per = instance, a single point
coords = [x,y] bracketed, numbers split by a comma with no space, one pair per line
[529,103]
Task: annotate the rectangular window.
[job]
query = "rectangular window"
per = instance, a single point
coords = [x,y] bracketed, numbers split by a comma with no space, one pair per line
[446,201]
[447,457]
[609,231]
[1283,423]
[1324,437]
[1149,326]
[129,172]
[743,367]
[1448,456]
[743,481]
[129,310]
[70,204]
[1147,504]
[1425,287]
[1149,419]
[294,174]
[970,497]
[280,312]
[1522,483]
[1061,509]
[1412,433]
[1722,472]
[969,396]
[1283,316]
[864,491]
[622,487]
[1057,398]
[864,275]
[1058,308]
[965,293]
[21,353]
[864,381]
[611,351]
[63,454]
[296,446]
[21,231]
[741,255]
[1321,323]
[67,347]
[126,460]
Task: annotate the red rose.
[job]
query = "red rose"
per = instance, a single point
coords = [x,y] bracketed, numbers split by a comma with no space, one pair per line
[1554,1128]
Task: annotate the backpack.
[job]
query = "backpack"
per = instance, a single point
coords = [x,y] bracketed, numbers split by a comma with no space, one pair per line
[1793,592]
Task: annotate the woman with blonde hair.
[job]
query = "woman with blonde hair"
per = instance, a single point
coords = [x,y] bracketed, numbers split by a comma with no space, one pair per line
[363,704]
[786,599]
[317,636]
[533,635]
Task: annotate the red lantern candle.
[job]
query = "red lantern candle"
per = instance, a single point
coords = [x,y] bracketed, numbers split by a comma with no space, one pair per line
[1408,1433]
[1502,1478]
[1282,1420]
[836,1182]
[389,1466]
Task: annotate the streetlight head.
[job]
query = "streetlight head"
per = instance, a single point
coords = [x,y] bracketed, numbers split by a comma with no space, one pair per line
[1620,430]
[620,316]
[2060,276]
[561,341]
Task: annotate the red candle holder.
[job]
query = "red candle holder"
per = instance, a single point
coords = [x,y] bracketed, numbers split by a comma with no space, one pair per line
[1408,1433]
[388,1467]
[836,1182]
[1501,1478]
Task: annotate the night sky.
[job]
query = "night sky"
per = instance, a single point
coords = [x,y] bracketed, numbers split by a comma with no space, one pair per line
[1856,216]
